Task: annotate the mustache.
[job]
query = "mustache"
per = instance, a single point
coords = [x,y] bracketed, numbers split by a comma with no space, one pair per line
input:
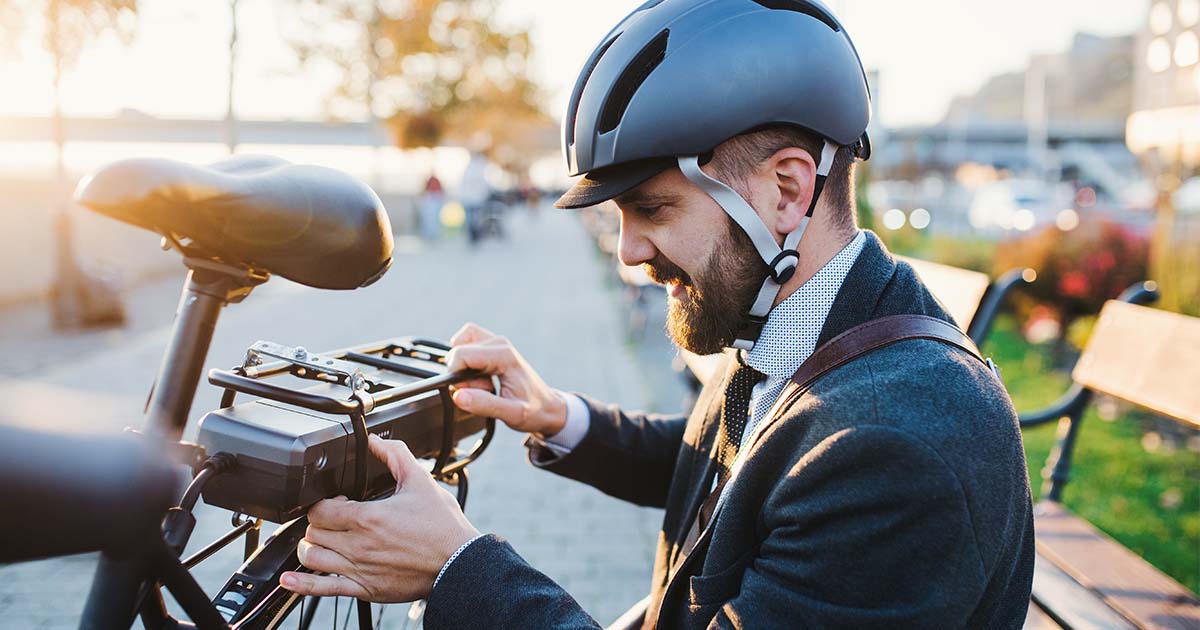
[664,271]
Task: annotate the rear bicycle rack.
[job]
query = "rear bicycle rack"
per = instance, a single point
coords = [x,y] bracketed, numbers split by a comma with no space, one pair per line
[295,445]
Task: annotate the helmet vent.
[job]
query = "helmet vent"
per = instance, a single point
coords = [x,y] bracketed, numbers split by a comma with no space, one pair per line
[579,85]
[800,6]
[631,79]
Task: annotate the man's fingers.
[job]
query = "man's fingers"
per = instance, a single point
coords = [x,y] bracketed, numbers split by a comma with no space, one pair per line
[490,358]
[342,542]
[337,514]
[321,585]
[405,468]
[470,333]
[486,404]
[475,383]
[319,558]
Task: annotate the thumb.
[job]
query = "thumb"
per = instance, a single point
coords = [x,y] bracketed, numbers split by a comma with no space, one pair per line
[399,460]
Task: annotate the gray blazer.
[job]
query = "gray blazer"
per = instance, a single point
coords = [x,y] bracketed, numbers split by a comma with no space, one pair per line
[893,494]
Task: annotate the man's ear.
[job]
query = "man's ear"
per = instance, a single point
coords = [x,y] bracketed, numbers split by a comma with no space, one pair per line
[793,172]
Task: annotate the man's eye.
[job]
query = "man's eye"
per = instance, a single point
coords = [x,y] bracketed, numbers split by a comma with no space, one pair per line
[648,211]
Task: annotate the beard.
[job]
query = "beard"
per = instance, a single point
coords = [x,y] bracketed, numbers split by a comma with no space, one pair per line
[719,297]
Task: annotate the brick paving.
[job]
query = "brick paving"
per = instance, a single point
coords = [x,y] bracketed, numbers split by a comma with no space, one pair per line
[544,287]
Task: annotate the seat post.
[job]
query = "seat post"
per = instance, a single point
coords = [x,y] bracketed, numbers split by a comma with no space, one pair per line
[209,286]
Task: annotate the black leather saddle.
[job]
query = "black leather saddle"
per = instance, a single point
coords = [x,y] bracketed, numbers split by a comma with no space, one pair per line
[313,225]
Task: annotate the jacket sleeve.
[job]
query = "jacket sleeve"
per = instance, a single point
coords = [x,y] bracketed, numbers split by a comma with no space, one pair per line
[628,455]
[869,530]
[490,586]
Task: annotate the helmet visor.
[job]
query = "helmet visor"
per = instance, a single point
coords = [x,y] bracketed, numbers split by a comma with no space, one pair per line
[601,184]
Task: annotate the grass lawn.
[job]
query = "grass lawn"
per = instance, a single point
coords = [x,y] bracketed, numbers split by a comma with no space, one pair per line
[1148,500]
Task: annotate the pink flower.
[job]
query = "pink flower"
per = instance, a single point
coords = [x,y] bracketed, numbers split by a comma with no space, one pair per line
[1073,284]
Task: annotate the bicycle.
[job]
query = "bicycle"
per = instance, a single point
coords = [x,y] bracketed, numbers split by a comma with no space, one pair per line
[236,223]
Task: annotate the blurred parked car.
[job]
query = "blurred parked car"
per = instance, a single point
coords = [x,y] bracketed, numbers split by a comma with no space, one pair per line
[1020,204]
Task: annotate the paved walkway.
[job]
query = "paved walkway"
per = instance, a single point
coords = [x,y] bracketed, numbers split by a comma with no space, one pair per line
[544,287]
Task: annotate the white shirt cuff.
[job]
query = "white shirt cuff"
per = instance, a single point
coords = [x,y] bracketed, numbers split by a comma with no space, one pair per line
[576,427]
[452,557]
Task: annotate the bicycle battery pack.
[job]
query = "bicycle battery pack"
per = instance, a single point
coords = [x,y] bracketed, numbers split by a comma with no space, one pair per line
[296,446]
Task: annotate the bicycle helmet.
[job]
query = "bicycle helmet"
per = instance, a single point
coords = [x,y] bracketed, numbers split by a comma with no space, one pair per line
[676,78]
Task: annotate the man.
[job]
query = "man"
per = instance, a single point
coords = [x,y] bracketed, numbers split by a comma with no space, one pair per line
[891,493]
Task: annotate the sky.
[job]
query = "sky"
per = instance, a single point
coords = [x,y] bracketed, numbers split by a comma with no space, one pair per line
[927,52]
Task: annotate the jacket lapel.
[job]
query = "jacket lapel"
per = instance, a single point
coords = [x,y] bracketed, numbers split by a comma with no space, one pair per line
[703,467]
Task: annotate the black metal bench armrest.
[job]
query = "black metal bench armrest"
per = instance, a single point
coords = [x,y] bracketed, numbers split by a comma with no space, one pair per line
[993,299]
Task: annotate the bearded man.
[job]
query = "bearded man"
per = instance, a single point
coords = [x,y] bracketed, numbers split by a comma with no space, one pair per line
[843,471]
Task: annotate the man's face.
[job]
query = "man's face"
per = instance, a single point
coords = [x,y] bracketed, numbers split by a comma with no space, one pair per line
[686,242]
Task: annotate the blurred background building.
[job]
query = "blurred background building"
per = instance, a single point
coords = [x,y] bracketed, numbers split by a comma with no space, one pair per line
[1164,131]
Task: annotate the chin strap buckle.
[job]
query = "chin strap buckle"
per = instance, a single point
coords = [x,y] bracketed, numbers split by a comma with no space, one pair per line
[748,335]
[783,266]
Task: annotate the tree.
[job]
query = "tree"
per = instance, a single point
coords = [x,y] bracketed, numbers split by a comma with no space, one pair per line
[434,70]
[69,27]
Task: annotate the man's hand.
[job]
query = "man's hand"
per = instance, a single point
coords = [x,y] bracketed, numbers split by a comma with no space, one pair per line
[525,402]
[382,551]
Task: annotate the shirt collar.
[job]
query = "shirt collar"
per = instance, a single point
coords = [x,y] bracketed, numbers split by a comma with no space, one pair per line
[790,335]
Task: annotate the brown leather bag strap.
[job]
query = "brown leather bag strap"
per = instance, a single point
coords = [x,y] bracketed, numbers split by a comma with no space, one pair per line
[876,334]
[866,338]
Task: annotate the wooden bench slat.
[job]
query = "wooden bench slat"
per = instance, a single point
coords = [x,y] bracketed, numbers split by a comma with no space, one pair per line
[1127,583]
[1073,604]
[1037,619]
[959,290]
[1146,356]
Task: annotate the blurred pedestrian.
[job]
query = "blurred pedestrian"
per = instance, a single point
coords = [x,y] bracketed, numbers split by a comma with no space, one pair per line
[430,208]
[474,191]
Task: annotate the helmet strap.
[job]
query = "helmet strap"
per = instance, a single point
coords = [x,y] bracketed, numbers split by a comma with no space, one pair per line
[781,261]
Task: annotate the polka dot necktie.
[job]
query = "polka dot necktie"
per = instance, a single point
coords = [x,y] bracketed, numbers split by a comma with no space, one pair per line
[733,414]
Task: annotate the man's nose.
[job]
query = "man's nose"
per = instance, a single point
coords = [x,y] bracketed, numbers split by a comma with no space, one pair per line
[633,248]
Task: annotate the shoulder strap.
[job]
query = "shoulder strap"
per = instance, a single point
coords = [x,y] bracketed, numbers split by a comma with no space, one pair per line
[868,337]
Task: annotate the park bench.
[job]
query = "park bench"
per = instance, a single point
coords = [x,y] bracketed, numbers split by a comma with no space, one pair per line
[1084,579]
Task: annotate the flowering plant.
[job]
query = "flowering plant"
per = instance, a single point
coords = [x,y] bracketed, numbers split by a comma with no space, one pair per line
[1077,270]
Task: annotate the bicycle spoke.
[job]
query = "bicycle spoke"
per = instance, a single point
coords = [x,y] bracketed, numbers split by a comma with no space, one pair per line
[306,622]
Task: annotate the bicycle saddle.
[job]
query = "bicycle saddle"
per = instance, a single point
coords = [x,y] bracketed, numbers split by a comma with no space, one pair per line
[312,225]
